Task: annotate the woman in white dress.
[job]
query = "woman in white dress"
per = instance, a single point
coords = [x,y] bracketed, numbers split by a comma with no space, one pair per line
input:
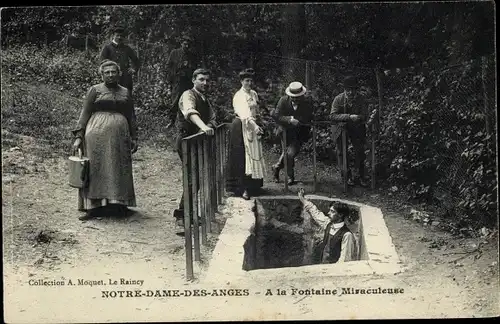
[246,165]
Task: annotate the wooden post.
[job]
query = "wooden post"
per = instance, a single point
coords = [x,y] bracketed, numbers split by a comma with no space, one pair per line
[378,74]
[315,180]
[373,154]
[218,159]
[224,161]
[201,175]
[206,174]
[194,194]
[308,76]
[214,181]
[187,211]
[285,158]
[139,57]
[344,157]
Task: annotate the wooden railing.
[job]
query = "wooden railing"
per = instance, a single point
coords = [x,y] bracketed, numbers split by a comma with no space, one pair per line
[314,125]
[204,176]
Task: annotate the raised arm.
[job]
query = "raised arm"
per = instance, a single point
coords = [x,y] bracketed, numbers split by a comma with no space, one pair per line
[310,210]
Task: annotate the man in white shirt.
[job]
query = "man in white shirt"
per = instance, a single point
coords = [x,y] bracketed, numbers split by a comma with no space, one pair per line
[338,243]
[329,235]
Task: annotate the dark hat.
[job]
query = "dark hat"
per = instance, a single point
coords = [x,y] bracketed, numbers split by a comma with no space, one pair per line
[247,73]
[350,82]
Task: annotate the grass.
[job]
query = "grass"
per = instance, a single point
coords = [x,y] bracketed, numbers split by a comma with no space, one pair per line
[38,111]
[48,115]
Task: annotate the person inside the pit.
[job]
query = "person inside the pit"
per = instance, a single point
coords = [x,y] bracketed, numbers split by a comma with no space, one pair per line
[338,243]
[326,238]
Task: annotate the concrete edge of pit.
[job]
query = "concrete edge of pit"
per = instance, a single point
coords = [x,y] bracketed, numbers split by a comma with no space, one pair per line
[228,255]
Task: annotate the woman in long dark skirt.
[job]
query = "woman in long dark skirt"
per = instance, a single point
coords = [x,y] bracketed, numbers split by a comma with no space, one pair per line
[106,133]
[246,166]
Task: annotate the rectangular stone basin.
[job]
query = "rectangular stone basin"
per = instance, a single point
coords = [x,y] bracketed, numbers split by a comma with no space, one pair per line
[247,249]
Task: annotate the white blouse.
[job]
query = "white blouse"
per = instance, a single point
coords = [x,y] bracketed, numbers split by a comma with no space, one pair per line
[245,103]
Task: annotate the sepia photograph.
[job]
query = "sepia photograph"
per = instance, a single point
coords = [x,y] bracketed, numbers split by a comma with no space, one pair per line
[249,162]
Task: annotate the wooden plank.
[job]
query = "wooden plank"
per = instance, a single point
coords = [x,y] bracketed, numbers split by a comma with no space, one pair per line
[285,159]
[315,179]
[194,195]
[218,165]
[344,157]
[206,175]
[203,214]
[187,211]
[378,75]
[224,161]
[214,182]
[374,164]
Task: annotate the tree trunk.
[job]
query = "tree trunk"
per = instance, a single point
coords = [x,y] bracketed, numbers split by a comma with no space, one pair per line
[292,41]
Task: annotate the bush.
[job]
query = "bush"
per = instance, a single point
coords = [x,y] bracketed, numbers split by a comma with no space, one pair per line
[434,147]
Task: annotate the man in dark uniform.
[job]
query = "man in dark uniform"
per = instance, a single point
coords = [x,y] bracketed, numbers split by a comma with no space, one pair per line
[180,66]
[294,113]
[194,114]
[122,54]
[351,111]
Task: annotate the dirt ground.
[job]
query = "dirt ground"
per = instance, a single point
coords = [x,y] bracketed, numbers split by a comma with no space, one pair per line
[445,275]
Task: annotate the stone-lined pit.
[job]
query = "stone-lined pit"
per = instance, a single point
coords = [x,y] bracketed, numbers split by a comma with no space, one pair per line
[245,251]
[270,245]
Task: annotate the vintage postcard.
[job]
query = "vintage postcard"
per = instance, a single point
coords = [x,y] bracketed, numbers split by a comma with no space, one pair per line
[248,162]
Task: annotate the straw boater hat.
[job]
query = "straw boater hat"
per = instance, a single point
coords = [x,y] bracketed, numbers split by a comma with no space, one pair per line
[295,89]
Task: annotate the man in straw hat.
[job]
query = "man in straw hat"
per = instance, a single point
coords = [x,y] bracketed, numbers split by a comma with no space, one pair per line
[351,111]
[294,114]
[122,54]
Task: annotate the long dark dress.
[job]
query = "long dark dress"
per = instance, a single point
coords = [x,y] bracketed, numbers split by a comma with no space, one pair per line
[107,125]
[237,181]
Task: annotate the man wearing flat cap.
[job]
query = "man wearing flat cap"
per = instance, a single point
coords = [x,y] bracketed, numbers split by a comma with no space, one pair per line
[122,54]
[350,111]
[180,66]
[294,112]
